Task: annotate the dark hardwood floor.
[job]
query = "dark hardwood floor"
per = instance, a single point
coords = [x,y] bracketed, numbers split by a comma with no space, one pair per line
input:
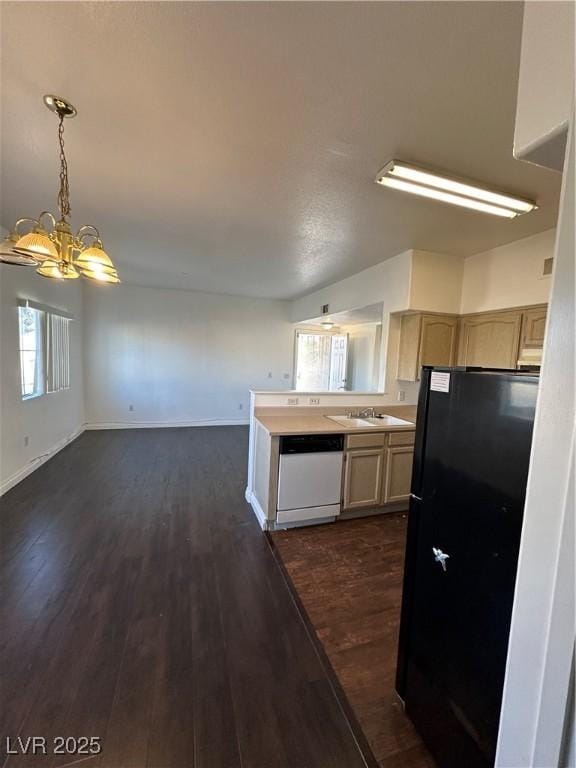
[142,604]
[348,577]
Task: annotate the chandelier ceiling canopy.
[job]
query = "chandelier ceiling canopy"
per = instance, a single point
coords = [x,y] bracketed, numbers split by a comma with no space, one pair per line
[49,243]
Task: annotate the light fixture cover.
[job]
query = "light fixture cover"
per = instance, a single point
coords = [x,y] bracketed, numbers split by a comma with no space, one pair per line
[101,276]
[38,244]
[9,256]
[419,181]
[92,256]
[57,270]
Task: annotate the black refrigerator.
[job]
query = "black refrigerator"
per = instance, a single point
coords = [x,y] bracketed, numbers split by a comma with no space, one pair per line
[472,450]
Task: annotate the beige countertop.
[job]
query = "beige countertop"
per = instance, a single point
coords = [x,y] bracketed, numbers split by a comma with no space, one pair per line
[314,423]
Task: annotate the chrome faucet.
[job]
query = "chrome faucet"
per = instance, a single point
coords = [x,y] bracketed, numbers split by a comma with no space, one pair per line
[368,412]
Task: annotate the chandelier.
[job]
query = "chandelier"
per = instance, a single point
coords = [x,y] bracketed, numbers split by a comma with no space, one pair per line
[49,243]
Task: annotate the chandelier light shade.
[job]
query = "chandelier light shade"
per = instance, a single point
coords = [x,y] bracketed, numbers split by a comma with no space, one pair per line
[9,256]
[94,262]
[101,276]
[37,244]
[57,253]
[58,270]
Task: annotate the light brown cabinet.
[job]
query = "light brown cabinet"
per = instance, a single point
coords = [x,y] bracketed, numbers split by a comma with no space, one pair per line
[490,340]
[495,339]
[398,474]
[485,340]
[363,477]
[425,339]
[378,469]
[533,327]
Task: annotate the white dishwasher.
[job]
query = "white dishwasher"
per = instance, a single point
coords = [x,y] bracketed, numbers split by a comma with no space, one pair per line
[309,478]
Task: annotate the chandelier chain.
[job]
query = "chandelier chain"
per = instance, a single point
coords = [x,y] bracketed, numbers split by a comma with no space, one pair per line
[64,193]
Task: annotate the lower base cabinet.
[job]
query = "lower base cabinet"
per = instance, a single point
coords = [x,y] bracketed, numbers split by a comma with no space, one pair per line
[378,469]
[398,473]
[363,478]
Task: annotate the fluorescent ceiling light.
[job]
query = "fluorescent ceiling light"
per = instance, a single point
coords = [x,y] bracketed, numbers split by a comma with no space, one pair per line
[446,197]
[417,181]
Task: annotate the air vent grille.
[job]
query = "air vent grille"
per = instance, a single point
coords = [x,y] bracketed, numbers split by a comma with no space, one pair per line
[547,268]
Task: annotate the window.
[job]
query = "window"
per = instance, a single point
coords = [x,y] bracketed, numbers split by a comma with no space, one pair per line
[31,353]
[321,360]
[44,349]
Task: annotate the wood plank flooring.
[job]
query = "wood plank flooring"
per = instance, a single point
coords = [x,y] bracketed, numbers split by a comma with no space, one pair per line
[141,603]
[348,577]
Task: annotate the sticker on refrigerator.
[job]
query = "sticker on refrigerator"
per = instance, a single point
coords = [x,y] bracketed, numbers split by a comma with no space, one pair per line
[439,382]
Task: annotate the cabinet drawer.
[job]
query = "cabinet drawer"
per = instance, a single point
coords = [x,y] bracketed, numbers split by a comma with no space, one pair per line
[401,438]
[366,440]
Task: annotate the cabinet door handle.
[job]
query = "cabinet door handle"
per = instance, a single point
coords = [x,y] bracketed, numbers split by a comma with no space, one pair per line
[440,557]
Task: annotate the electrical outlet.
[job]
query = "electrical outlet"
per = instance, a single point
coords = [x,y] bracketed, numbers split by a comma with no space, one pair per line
[401,395]
[26,441]
[292,401]
[314,401]
[130,407]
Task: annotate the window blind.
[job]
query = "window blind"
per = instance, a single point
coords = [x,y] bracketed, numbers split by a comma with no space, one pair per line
[58,353]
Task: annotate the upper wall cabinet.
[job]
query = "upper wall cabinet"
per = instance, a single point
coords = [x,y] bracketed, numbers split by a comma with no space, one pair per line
[533,327]
[495,339]
[490,340]
[426,340]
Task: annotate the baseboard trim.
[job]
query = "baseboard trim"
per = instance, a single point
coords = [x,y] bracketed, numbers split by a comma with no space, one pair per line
[258,511]
[32,466]
[166,424]
[390,509]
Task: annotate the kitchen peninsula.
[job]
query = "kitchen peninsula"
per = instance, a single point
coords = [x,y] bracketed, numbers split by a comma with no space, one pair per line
[323,463]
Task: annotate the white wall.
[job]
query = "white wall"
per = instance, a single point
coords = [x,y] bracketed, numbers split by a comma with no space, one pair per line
[50,420]
[388,281]
[546,82]
[180,357]
[508,276]
[436,282]
[362,356]
[542,631]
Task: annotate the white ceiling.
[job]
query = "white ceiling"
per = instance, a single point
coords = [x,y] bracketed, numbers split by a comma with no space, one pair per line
[232,147]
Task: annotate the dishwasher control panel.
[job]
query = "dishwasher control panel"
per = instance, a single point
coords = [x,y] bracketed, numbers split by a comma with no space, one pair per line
[311,443]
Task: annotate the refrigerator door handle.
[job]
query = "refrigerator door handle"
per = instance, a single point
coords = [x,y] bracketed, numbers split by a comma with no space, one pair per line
[440,557]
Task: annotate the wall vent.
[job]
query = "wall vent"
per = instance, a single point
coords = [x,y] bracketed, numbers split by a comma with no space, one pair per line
[547,267]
